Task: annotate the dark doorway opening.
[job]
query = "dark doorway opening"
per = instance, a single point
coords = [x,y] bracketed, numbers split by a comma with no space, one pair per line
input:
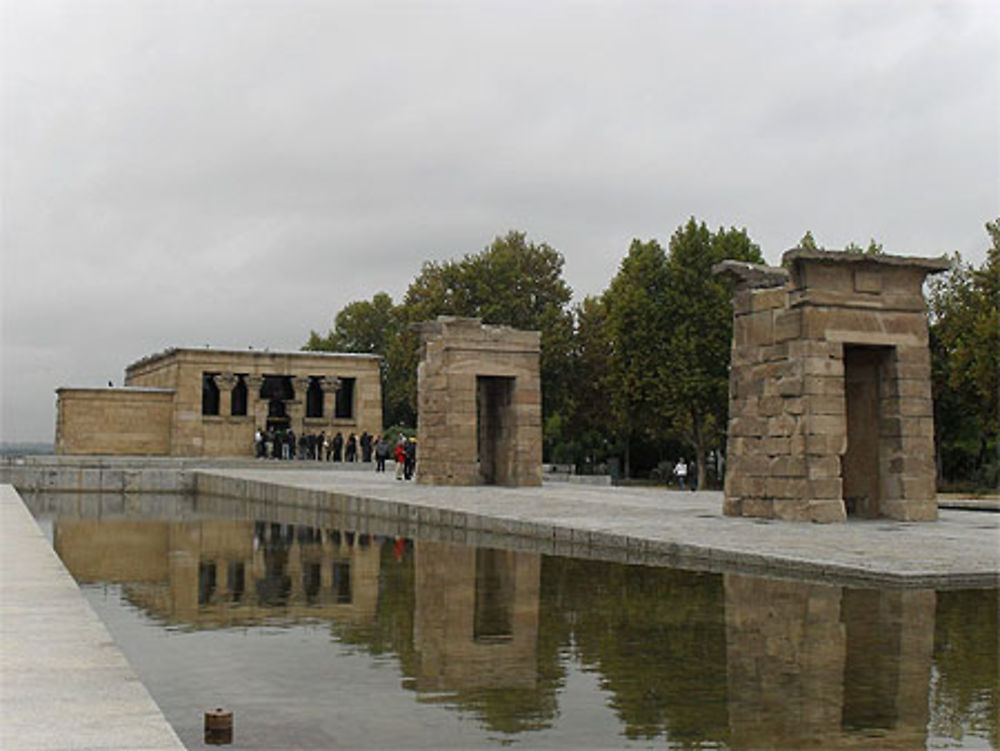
[872,664]
[209,394]
[344,405]
[314,397]
[495,428]
[494,605]
[239,396]
[276,390]
[864,368]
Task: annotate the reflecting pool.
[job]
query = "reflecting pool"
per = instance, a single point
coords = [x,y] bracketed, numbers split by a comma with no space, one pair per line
[318,634]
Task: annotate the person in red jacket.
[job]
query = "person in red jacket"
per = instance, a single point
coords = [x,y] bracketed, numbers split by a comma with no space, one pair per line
[400,455]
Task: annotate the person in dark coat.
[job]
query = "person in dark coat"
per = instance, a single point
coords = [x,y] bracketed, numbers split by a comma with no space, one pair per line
[381,453]
[411,459]
[366,447]
[351,451]
[338,446]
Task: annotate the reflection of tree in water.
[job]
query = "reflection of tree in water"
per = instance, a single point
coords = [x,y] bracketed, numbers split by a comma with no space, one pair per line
[967,658]
[658,638]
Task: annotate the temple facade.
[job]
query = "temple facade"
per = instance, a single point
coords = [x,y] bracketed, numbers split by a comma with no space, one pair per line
[208,402]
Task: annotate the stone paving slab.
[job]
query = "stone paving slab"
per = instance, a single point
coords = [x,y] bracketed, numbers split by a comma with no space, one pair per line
[64,684]
[652,525]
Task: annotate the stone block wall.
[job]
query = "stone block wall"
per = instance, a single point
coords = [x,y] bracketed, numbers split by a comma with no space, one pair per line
[133,422]
[195,434]
[830,406]
[466,368]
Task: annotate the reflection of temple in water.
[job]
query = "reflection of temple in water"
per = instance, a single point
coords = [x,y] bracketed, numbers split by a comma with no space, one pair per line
[207,573]
[476,617]
[819,666]
[695,658]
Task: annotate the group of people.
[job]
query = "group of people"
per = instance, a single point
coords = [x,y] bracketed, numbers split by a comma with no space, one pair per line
[282,443]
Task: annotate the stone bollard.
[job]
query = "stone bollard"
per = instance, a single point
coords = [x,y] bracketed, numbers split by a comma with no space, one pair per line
[218,727]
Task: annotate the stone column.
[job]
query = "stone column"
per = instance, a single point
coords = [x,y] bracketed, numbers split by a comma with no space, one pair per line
[255,405]
[225,383]
[297,406]
[330,386]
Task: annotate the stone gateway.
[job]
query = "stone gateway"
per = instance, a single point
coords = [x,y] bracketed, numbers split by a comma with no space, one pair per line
[830,411]
[479,404]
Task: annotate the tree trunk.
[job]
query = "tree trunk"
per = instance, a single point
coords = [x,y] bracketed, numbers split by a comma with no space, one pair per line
[700,451]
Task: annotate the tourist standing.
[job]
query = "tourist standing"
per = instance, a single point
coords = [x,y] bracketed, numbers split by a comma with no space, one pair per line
[338,446]
[381,453]
[366,447]
[400,456]
[351,452]
[321,447]
[681,473]
[258,443]
[411,458]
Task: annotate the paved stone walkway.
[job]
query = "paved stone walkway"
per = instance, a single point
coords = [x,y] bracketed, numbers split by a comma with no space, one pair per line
[650,525]
[64,684]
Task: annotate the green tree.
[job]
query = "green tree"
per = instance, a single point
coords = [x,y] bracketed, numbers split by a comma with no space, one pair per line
[361,326]
[699,318]
[965,357]
[807,242]
[637,329]
[872,249]
[585,433]
[374,327]
[511,282]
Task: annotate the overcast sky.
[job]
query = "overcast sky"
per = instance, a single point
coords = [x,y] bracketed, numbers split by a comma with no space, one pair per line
[182,173]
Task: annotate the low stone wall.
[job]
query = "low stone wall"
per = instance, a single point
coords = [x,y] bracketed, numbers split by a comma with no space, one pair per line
[119,474]
[96,476]
[124,421]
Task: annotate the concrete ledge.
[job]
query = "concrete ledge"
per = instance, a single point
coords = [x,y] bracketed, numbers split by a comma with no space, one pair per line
[630,525]
[136,474]
[65,683]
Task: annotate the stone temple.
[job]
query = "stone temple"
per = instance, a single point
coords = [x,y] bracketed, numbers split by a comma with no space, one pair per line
[208,402]
[830,411]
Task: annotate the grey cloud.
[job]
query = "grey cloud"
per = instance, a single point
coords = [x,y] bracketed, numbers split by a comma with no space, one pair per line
[234,173]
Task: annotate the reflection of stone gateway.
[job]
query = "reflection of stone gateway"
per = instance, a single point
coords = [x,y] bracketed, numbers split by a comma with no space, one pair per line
[475,617]
[830,407]
[819,666]
[479,404]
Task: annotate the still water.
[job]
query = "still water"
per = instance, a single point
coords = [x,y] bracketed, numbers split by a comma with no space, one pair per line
[318,635]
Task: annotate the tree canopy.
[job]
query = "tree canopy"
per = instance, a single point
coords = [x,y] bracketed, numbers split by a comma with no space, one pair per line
[965,357]
[641,370]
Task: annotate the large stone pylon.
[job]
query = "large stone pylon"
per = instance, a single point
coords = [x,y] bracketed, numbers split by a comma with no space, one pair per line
[479,404]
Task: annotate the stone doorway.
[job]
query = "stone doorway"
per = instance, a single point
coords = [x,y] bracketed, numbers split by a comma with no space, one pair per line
[479,404]
[864,371]
[494,428]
